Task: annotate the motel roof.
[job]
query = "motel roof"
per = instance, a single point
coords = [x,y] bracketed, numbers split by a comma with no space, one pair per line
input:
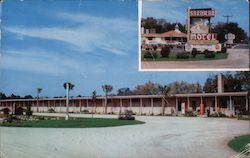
[234,94]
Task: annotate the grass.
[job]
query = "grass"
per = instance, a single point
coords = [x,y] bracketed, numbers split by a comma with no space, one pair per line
[238,143]
[74,123]
[172,57]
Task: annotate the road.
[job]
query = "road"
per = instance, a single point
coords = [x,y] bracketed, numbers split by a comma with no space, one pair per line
[238,59]
[170,137]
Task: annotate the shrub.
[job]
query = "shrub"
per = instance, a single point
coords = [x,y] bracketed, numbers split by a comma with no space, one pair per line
[223,50]
[127,115]
[51,110]
[218,114]
[183,55]
[29,112]
[194,52]
[190,114]
[150,55]
[19,111]
[155,48]
[85,111]
[6,111]
[209,54]
[165,51]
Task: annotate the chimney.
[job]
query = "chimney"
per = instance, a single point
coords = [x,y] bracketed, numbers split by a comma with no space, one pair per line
[220,83]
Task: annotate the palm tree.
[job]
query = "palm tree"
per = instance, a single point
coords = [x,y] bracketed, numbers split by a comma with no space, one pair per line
[106,89]
[67,86]
[38,90]
[94,101]
[165,91]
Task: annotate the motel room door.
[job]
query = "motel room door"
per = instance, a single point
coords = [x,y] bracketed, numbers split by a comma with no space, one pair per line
[181,107]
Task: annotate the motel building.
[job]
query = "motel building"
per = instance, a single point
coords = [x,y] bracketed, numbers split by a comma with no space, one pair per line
[178,104]
[172,38]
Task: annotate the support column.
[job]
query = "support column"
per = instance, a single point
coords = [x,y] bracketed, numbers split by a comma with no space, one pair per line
[247,106]
[120,111]
[152,106]
[80,105]
[162,106]
[43,106]
[55,105]
[176,105]
[103,105]
[140,111]
[230,104]
[188,103]
[60,102]
[202,109]
[216,104]
[130,103]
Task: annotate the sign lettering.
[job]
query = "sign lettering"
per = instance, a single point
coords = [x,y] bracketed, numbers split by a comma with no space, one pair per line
[203,36]
[202,13]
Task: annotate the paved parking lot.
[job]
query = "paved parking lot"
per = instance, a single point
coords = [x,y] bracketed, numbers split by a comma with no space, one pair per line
[168,137]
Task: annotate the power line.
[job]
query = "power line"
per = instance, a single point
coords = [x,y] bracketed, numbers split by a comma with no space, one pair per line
[227,16]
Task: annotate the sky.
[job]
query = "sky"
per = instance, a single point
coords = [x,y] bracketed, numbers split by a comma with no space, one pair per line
[175,10]
[89,43]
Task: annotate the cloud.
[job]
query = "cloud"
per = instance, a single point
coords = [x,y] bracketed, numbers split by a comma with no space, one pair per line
[168,10]
[92,32]
[36,61]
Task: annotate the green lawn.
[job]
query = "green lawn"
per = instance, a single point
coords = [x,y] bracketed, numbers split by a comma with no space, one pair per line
[172,57]
[74,123]
[238,143]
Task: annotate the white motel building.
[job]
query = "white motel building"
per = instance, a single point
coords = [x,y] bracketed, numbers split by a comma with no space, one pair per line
[178,104]
[173,38]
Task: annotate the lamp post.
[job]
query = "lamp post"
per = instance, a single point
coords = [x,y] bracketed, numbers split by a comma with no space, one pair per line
[67,101]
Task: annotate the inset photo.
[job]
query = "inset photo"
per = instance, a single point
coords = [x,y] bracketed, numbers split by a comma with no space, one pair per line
[193,35]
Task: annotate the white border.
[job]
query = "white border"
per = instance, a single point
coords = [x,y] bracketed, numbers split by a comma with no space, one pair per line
[139,33]
[139,52]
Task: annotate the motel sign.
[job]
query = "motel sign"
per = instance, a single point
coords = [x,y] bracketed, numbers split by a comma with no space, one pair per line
[198,30]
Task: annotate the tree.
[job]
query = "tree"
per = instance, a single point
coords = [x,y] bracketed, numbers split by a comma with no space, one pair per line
[210,85]
[106,89]
[149,23]
[244,78]
[165,92]
[13,96]
[161,25]
[222,29]
[28,97]
[124,91]
[233,82]
[185,87]
[148,88]
[94,101]
[67,86]
[2,96]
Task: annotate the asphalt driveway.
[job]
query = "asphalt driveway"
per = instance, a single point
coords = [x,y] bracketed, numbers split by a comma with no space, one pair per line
[168,137]
[238,59]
